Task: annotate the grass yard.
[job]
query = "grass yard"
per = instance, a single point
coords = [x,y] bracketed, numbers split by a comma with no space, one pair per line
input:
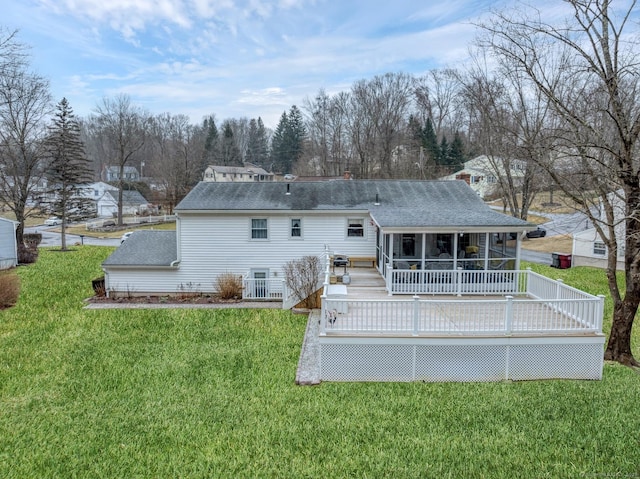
[211,393]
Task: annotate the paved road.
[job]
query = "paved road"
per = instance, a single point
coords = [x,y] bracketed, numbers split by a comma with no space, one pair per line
[52,238]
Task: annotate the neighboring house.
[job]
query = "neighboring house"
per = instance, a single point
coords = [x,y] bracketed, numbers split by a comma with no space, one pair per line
[426,239]
[588,247]
[233,174]
[95,191]
[112,173]
[132,202]
[481,174]
[8,244]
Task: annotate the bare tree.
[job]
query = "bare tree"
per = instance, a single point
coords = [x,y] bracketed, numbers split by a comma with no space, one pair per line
[176,148]
[588,71]
[379,114]
[510,125]
[302,277]
[121,128]
[25,104]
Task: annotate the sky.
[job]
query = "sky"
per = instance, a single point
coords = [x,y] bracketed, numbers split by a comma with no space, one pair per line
[233,58]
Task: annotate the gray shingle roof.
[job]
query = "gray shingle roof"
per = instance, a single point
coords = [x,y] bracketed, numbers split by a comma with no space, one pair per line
[402,203]
[129,197]
[145,248]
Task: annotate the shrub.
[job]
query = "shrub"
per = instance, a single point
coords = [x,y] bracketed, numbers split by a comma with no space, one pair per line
[301,277]
[9,289]
[32,240]
[27,255]
[229,286]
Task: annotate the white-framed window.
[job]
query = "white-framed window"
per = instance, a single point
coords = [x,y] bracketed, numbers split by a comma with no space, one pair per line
[599,248]
[259,228]
[296,228]
[355,228]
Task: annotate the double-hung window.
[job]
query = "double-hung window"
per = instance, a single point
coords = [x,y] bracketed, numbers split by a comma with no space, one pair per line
[296,228]
[355,228]
[599,248]
[259,228]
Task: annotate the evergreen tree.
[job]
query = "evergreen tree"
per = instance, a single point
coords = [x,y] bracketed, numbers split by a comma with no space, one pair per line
[257,153]
[457,155]
[296,134]
[287,144]
[211,142]
[280,159]
[229,151]
[430,142]
[69,169]
[443,158]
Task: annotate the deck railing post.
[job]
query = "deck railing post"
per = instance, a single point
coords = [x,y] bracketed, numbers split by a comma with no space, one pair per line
[459,281]
[323,310]
[528,281]
[416,314]
[559,284]
[600,314]
[389,279]
[508,315]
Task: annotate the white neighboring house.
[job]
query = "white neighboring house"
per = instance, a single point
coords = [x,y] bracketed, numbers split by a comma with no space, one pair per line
[588,247]
[481,174]
[112,173]
[8,244]
[132,202]
[228,174]
[95,191]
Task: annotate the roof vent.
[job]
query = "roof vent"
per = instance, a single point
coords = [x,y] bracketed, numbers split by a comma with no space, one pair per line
[288,189]
[377,203]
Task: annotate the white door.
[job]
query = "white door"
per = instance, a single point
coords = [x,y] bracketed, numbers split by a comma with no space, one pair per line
[260,282]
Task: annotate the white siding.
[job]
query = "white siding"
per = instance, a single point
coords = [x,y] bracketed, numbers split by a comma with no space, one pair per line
[211,245]
[8,249]
[583,255]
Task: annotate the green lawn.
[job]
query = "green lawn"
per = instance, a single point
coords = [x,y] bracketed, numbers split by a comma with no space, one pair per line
[197,393]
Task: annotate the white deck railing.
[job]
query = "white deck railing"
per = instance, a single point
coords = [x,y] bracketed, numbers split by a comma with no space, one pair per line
[543,306]
[460,281]
[462,317]
[270,289]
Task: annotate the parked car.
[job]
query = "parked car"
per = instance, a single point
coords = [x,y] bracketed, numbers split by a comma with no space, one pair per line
[53,221]
[537,233]
[125,236]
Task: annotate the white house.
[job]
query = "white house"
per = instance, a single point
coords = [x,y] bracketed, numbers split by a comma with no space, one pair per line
[112,173]
[230,174]
[132,203]
[481,174]
[253,229]
[8,244]
[588,247]
[421,240]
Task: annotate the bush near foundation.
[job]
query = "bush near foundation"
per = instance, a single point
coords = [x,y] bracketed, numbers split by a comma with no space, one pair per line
[229,286]
[9,289]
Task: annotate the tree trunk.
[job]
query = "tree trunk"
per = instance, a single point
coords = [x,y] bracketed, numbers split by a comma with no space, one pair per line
[619,345]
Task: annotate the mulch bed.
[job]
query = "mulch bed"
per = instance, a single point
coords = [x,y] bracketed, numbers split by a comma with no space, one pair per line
[200,299]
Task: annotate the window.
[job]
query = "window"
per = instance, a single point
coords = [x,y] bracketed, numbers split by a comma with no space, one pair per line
[259,228]
[599,248]
[296,228]
[355,228]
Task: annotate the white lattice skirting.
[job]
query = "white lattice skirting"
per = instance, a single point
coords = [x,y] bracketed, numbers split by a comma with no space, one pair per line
[460,359]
